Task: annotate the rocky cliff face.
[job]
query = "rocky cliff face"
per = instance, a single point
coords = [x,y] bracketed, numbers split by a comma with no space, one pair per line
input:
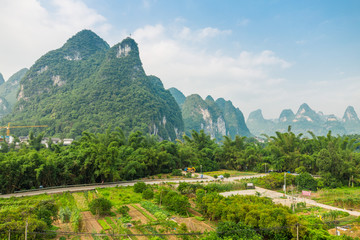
[1,79]
[217,118]
[351,121]
[179,96]
[10,88]
[4,107]
[286,115]
[86,85]
[234,118]
[258,125]
[199,114]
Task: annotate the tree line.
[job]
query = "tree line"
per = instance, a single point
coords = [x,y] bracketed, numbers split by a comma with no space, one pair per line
[111,156]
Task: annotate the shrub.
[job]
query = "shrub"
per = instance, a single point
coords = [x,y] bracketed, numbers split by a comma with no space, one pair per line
[215,176]
[139,187]
[306,181]
[176,172]
[100,206]
[123,210]
[176,202]
[65,214]
[148,193]
[76,220]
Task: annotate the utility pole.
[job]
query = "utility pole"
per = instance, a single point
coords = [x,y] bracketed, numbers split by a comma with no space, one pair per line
[201,171]
[26,228]
[297,231]
[9,235]
[285,183]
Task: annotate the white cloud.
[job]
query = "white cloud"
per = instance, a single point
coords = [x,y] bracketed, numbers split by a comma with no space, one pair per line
[199,35]
[243,22]
[29,30]
[172,55]
[300,42]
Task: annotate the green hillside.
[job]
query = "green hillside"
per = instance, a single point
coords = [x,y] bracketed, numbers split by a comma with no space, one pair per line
[85,85]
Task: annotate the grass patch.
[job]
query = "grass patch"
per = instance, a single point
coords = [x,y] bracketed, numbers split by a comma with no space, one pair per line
[120,195]
[103,224]
[199,218]
[81,201]
[344,197]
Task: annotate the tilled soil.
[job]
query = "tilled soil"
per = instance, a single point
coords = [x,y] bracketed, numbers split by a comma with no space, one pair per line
[194,224]
[90,223]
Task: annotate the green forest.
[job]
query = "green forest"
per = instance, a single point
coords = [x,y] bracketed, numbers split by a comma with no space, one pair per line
[111,156]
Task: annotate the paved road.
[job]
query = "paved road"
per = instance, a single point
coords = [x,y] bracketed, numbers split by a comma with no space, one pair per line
[92,187]
[276,196]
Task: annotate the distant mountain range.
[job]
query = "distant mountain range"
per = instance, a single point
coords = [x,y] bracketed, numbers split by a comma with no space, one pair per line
[218,118]
[306,119]
[86,85]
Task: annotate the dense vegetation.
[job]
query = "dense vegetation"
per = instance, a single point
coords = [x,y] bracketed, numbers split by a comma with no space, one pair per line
[113,157]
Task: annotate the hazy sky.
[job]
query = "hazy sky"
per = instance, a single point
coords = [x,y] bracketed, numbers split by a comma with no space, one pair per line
[269,54]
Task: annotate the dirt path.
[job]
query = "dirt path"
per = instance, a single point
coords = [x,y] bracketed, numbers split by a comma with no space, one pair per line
[90,223]
[277,198]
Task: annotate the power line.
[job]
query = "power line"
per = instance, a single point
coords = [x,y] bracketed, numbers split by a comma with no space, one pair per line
[297,225]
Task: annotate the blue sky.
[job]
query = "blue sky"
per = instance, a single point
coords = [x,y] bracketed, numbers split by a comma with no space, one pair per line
[271,55]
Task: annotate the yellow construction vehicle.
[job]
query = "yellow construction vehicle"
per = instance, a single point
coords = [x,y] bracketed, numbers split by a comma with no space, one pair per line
[8,128]
[190,169]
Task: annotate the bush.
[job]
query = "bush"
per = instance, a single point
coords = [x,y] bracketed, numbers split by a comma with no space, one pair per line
[306,181]
[148,193]
[123,210]
[215,176]
[76,220]
[226,175]
[176,202]
[65,214]
[100,206]
[276,180]
[238,230]
[176,172]
[139,187]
